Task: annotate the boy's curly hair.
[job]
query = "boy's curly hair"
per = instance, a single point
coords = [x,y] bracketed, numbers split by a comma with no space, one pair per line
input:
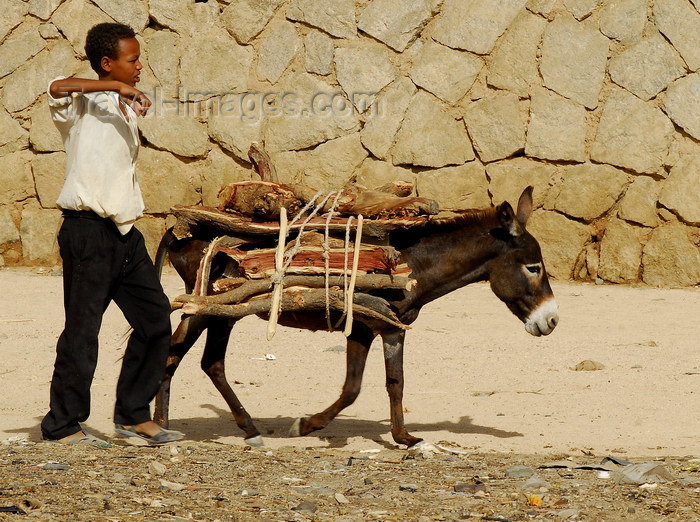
[103,40]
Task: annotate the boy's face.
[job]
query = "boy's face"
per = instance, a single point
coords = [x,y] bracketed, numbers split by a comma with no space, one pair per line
[127,66]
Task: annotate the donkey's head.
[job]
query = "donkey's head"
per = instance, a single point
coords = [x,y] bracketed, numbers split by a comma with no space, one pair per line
[517,275]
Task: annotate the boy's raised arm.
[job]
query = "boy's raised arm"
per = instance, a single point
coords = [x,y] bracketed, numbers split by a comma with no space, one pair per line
[67,86]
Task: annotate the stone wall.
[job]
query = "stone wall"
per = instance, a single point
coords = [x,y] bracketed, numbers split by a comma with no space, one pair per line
[594,102]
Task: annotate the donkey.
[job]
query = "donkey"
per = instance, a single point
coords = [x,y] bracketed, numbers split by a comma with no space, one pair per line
[489,244]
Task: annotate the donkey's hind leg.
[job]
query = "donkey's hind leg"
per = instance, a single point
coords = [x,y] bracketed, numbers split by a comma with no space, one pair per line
[358,345]
[213,365]
[187,332]
[393,364]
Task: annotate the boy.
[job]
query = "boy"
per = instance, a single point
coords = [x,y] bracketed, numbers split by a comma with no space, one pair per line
[104,256]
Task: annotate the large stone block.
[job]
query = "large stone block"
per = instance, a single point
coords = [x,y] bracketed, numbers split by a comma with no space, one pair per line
[38,230]
[557,128]
[647,67]
[574,56]
[624,20]
[363,69]
[581,8]
[276,50]
[163,48]
[308,122]
[395,24]
[682,104]
[331,165]
[12,136]
[166,181]
[318,53]
[680,23]
[430,136]
[178,133]
[71,18]
[336,17]
[380,129]
[513,64]
[221,169]
[455,188]
[543,7]
[474,25]
[43,134]
[445,72]
[133,13]
[30,80]
[235,133]
[509,178]
[562,241]
[620,253]
[11,15]
[49,172]
[670,258]
[185,17]
[374,173]
[681,190]
[588,191]
[9,233]
[16,177]
[495,126]
[43,9]
[202,68]
[632,134]
[639,203]
[245,19]
[16,50]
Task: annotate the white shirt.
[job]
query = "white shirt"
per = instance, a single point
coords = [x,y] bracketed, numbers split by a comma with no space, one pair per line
[101,147]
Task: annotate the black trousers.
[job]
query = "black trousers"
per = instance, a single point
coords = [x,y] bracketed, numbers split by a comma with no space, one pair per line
[101,265]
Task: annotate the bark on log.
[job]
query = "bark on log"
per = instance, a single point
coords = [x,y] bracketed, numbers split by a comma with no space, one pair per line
[298,300]
[259,198]
[190,218]
[262,163]
[251,287]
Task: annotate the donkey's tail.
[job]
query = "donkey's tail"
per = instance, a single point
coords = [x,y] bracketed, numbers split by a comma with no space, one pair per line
[162,252]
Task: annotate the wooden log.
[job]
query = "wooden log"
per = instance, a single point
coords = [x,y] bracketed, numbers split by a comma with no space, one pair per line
[298,300]
[261,263]
[258,198]
[192,217]
[262,163]
[251,287]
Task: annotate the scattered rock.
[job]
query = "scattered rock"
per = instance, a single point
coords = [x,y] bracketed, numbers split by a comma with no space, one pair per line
[520,471]
[588,366]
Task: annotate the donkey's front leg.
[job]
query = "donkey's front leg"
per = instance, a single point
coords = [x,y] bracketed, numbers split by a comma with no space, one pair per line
[358,345]
[213,365]
[393,363]
[187,332]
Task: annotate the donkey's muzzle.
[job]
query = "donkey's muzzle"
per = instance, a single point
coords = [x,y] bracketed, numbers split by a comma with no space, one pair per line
[543,319]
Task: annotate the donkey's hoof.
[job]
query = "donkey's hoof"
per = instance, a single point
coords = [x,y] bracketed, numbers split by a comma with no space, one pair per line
[255,441]
[295,430]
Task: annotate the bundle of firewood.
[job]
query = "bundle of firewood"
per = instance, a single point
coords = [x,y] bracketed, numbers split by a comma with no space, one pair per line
[266,197]
[311,270]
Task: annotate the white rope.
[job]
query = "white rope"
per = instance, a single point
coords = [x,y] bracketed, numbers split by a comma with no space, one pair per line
[345,272]
[353,276]
[277,292]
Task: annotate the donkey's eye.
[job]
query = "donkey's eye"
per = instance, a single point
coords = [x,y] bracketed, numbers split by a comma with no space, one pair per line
[534,269]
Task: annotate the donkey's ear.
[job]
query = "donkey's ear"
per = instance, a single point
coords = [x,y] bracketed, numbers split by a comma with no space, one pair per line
[508,220]
[525,206]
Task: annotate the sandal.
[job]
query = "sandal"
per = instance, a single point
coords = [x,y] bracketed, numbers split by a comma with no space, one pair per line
[162,437]
[87,439]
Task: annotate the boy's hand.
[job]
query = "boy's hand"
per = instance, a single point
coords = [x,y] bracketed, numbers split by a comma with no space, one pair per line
[136,99]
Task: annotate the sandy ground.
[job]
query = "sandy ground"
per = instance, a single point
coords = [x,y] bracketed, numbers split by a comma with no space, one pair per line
[473,375]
